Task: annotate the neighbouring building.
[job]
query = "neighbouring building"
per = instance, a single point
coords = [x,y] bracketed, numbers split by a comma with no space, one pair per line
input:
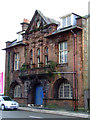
[47,65]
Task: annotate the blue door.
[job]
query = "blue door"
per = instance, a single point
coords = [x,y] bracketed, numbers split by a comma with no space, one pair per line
[39,95]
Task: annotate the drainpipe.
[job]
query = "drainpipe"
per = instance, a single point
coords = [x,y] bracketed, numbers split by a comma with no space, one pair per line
[74,65]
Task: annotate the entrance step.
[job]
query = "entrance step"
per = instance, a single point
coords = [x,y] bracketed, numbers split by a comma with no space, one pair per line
[35,106]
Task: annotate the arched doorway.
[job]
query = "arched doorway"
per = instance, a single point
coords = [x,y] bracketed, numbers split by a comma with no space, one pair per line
[39,95]
[38,89]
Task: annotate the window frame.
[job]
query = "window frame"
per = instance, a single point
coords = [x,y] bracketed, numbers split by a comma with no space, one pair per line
[63,85]
[16,61]
[63,53]
[31,58]
[46,55]
[38,51]
[17,91]
[38,60]
[46,59]
[66,21]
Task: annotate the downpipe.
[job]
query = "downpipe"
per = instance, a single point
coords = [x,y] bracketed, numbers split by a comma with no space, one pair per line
[74,65]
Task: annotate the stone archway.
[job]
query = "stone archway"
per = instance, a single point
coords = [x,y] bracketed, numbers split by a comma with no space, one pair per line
[56,86]
[39,84]
[12,86]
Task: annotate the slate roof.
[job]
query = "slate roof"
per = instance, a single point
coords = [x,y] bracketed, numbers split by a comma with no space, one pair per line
[47,20]
[14,43]
[64,29]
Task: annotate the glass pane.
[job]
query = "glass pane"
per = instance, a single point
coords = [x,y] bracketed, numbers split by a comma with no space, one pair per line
[65,53]
[68,20]
[64,22]
[61,46]
[65,45]
[15,65]
[31,61]
[38,51]
[46,60]
[66,91]
[62,57]
[61,91]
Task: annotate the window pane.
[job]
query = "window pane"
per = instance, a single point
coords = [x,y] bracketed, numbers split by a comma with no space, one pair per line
[65,90]
[62,57]
[38,61]
[61,91]
[68,20]
[31,53]
[46,60]
[61,46]
[16,62]
[17,91]
[38,51]
[65,45]
[64,22]
[46,50]
[65,53]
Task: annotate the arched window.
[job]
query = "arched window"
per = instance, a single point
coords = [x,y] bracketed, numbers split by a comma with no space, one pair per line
[46,55]
[38,58]
[31,53]
[46,50]
[31,58]
[65,90]
[38,50]
[17,91]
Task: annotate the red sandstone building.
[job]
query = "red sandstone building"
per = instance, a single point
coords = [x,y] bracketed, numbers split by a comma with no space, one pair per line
[47,65]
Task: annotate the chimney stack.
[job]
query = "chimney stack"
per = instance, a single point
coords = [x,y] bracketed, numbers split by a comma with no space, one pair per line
[25,24]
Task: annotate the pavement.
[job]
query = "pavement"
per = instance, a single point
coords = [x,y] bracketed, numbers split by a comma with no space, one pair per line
[58,112]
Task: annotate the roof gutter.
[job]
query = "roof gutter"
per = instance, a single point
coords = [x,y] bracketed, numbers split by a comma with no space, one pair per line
[64,30]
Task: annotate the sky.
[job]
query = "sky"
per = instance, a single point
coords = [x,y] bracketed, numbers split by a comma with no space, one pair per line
[12,13]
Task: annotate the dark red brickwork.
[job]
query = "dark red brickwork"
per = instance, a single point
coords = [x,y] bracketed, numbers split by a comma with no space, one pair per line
[35,39]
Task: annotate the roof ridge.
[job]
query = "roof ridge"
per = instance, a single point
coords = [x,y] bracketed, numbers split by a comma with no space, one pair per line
[47,19]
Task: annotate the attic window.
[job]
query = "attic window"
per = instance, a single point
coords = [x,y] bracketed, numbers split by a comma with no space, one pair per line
[69,20]
[38,24]
[66,21]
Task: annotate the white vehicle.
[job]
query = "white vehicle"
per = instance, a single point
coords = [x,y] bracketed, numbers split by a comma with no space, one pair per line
[7,103]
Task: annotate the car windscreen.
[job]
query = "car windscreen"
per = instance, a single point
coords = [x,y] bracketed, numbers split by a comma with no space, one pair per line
[7,98]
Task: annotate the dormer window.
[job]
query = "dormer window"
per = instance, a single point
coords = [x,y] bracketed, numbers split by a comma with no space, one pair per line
[64,22]
[68,20]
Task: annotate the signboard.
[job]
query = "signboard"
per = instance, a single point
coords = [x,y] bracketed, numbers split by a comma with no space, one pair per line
[1,84]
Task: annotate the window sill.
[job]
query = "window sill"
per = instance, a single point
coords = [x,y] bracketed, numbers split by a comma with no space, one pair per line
[63,64]
[58,99]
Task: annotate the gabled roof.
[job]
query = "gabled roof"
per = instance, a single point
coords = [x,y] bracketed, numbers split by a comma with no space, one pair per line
[70,14]
[46,19]
[14,43]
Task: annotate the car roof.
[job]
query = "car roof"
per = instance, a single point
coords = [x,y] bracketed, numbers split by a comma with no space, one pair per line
[3,96]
